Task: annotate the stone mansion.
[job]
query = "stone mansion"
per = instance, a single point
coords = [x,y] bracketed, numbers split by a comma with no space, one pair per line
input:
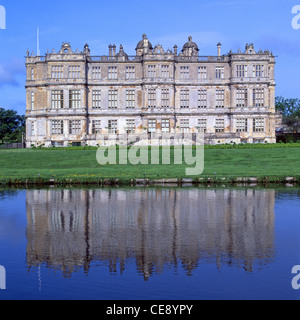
[74,98]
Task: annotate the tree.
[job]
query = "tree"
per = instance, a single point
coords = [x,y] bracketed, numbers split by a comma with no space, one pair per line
[290,109]
[12,125]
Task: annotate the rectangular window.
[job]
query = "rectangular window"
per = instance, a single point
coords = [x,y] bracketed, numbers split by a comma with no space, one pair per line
[32,128]
[74,72]
[258,125]
[165,98]
[165,71]
[258,97]
[220,98]
[202,73]
[220,73]
[130,99]
[184,73]
[112,73]
[151,71]
[74,127]
[32,100]
[113,126]
[185,125]
[242,125]
[74,99]
[96,126]
[202,125]
[220,125]
[152,126]
[258,71]
[96,99]
[184,98]
[32,74]
[57,144]
[57,72]
[130,73]
[57,99]
[57,127]
[241,71]
[202,99]
[241,98]
[152,98]
[165,126]
[258,141]
[96,73]
[130,126]
[112,99]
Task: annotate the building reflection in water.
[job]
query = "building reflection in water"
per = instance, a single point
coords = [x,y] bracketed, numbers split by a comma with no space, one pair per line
[152,228]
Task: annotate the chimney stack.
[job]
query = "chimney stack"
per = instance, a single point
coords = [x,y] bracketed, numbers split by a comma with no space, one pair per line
[114,50]
[110,51]
[219,49]
[175,50]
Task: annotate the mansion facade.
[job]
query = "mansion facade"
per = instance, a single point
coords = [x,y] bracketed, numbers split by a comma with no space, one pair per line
[74,98]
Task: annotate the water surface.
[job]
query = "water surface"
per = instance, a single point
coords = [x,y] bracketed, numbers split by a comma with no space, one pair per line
[152,243]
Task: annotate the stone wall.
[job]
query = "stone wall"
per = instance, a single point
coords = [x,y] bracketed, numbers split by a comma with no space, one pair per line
[42,81]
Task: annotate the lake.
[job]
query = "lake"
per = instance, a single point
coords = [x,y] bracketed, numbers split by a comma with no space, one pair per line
[150,243]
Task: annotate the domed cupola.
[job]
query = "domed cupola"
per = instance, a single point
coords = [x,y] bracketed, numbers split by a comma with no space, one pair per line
[190,48]
[144,46]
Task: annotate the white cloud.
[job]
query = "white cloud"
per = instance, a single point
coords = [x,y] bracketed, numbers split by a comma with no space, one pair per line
[10,70]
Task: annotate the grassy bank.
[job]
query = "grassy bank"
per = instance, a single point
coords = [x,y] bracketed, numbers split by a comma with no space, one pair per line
[79,165]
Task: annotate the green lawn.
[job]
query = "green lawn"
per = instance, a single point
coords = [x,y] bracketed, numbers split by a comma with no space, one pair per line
[81,165]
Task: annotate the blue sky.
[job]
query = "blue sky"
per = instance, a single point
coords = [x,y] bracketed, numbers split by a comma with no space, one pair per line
[266,23]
